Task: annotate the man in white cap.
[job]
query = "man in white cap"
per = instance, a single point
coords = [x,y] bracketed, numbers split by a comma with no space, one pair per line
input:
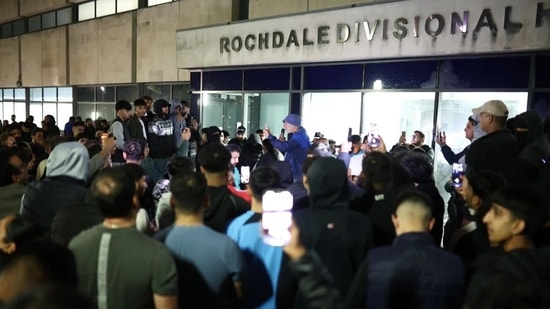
[499,147]
[295,149]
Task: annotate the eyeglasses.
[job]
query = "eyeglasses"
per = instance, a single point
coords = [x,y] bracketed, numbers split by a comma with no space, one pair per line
[472,120]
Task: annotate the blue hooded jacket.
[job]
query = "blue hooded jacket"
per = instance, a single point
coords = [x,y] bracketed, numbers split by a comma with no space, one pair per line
[295,150]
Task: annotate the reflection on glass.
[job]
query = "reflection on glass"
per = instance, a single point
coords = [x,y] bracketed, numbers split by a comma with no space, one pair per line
[48,20]
[86,111]
[128,93]
[86,94]
[86,11]
[126,5]
[8,94]
[35,110]
[180,92]
[64,112]
[331,114]
[36,95]
[50,94]
[394,112]
[265,109]
[105,94]
[64,16]
[223,110]
[106,111]
[20,94]
[158,91]
[51,109]
[20,111]
[8,110]
[105,7]
[65,94]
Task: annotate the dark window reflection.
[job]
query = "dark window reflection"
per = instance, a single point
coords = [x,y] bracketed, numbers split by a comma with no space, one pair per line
[296,78]
[19,27]
[105,94]
[86,94]
[159,91]
[195,81]
[7,30]
[64,16]
[541,103]
[507,72]
[222,80]
[128,93]
[267,79]
[401,75]
[333,77]
[35,23]
[542,67]
[180,92]
[48,20]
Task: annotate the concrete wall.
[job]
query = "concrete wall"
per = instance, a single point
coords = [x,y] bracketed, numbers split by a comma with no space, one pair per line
[33,7]
[114,51]
[83,53]
[267,8]
[31,63]
[8,10]
[325,4]
[54,57]
[9,61]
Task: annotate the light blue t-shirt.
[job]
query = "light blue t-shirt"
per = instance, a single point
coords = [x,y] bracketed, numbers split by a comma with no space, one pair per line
[213,254]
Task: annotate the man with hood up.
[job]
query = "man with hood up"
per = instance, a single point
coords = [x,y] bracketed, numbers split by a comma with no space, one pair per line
[338,234]
[64,185]
[534,147]
[160,135]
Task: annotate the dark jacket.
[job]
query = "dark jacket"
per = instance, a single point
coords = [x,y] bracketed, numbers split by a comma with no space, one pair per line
[534,146]
[492,152]
[63,186]
[222,208]
[328,226]
[135,128]
[295,150]
[450,156]
[160,134]
[412,273]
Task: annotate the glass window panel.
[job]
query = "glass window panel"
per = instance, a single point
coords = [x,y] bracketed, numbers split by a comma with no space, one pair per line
[105,94]
[541,103]
[64,112]
[296,78]
[7,30]
[8,94]
[542,71]
[160,91]
[8,110]
[222,80]
[106,111]
[401,75]
[36,94]
[348,76]
[86,11]
[64,16]
[105,7]
[51,109]
[267,79]
[128,93]
[265,109]
[155,2]
[20,111]
[86,111]
[19,94]
[65,94]
[48,20]
[86,94]
[19,27]
[195,81]
[223,110]
[126,5]
[318,108]
[35,23]
[180,92]
[35,109]
[50,94]
[505,72]
[2,111]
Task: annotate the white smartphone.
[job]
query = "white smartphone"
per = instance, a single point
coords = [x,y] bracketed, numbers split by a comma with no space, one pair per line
[276,217]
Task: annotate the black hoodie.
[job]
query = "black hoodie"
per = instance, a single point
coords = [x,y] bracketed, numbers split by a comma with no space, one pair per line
[160,133]
[339,235]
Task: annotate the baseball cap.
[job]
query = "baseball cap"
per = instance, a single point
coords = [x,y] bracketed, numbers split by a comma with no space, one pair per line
[493,107]
[294,120]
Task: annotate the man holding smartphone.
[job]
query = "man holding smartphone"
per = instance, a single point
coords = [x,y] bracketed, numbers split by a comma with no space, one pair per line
[296,147]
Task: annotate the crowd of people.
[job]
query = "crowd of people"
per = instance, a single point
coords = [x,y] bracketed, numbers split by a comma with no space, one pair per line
[155,210]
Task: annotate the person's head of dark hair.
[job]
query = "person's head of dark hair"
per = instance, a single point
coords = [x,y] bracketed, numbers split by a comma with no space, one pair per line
[36,130]
[214,158]
[420,133]
[307,163]
[113,190]
[485,182]
[319,150]
[189,192]
[123,104]
[54,140]
[42,261]
[259,132]
[180,166]
[7,171]
[268,146]
[225,133]
[139,102]
[71,119]
[135,171]
[356,139]
[146,98]
[262,179]
[79,124]
[50,118]
[48,296]
[524,203]
[233,148]
[377,168]
[134,150]
[185,103]
[93,146]
[414,196]
[20,231]
[419,166]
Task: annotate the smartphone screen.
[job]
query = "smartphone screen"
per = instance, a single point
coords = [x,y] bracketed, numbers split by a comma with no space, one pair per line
[404,133]
[458,172]
[276,217]
[349,134]
[282,131]
[245,174]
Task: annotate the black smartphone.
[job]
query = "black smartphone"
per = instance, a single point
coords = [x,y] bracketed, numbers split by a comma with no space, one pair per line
[404,133]
[282,131]
[349,134]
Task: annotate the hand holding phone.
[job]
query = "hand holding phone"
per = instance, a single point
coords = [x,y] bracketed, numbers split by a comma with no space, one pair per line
[276,217]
